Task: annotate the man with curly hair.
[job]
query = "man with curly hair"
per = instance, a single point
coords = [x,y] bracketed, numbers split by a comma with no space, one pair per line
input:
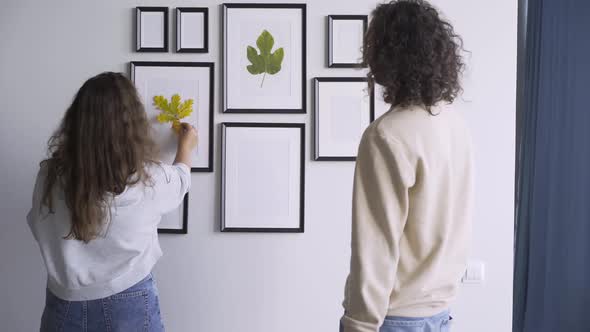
[411,219]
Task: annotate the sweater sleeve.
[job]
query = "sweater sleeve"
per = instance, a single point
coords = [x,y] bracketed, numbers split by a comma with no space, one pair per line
[172,182]
[382,180]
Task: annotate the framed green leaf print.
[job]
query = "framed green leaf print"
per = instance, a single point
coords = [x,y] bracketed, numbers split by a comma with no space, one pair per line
[264,58]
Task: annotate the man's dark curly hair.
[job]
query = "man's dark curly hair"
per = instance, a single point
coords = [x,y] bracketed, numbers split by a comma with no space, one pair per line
[414,54]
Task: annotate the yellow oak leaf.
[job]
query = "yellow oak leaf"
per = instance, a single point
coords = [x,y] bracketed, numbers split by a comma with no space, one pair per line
[173,111]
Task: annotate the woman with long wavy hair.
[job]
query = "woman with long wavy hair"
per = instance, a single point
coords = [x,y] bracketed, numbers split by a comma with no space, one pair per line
[97,202]
[413,193]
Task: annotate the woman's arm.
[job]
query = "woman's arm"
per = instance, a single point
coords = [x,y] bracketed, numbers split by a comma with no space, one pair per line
[172,182]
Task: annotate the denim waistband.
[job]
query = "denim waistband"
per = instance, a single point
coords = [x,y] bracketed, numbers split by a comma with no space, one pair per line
[443,315]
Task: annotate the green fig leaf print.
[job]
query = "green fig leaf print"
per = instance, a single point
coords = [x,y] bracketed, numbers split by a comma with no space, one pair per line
[262,60]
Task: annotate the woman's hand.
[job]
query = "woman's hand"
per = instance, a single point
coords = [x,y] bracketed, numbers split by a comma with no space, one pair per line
[187,137]
[187,141]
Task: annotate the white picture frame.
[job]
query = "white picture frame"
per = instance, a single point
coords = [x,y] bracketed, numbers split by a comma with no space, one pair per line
[192,80]
[345,39]
[151,29]
[192,30]
[263,177]
[175,221]
[251,85]
[344,108]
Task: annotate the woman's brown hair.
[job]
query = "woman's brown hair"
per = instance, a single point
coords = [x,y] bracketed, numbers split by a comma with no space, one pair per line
[414,54]
[101,146]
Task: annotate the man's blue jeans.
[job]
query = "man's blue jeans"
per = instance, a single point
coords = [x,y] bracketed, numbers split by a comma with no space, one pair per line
[436,323]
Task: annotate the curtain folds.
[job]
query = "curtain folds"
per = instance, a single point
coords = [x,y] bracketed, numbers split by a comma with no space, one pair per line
[552,254]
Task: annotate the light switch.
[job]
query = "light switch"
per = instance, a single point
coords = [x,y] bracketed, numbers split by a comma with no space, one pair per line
[475,273]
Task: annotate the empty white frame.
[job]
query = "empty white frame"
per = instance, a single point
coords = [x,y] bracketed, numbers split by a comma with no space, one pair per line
[346,35]
[151,29]
[263,177]
[344,108]
[264,58]
[191,80]
[192,30]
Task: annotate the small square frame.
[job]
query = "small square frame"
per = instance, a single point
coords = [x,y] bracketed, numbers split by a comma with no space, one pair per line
[330,39]
[205,11]
[138,12]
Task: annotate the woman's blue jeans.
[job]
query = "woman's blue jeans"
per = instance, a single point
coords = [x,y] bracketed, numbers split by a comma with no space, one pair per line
[133,310]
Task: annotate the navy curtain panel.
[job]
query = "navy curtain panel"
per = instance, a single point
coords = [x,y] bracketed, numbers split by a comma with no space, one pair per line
[552,258]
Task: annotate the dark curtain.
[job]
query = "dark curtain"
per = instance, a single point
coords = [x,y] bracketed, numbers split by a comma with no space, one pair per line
[552,259]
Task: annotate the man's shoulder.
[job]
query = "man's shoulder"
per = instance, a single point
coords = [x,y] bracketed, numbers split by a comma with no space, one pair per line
[398,124]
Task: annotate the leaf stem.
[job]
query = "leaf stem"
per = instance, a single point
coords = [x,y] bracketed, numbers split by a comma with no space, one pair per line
[263,77]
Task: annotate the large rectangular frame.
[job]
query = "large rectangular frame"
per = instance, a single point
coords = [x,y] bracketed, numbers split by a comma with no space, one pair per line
[316,81]
[138,11]
[184,229]
[211,67]
[301,127]
[330,39]
[303,8]
[205,11]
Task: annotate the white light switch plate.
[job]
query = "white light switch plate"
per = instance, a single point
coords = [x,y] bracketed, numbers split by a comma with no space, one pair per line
[475,273]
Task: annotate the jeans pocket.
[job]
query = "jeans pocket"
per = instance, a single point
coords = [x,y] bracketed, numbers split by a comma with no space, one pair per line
[55,313]
[127,311]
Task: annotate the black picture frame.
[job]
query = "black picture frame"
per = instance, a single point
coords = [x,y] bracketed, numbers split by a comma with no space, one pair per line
[138,11]
[211,126]
[301,226]
[184,229]
[316,89]
[330,39]
[205,11]
[298,6]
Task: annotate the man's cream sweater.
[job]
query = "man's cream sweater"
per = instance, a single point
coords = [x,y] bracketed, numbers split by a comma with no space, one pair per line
[411,220]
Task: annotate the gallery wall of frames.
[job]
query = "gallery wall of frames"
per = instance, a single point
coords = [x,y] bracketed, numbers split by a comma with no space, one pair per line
[263,64]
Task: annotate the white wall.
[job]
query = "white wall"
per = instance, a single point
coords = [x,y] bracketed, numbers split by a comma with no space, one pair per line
[242,282]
